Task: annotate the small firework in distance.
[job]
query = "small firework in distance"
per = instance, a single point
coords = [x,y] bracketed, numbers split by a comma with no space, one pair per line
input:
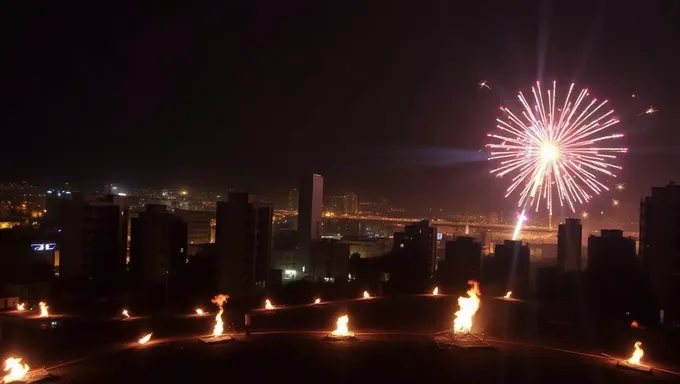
[620,186]
[548,152]
[650,110]
[483,84]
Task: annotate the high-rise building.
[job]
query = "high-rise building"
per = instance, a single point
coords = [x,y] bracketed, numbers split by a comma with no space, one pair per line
[309,217]
[569,245]
[158,245]
[418,245]
[198,225]
[611,253]
[660,246]
[293,199]
[243,240]
[463,260]
[94,239]
[350,203]
[330,260]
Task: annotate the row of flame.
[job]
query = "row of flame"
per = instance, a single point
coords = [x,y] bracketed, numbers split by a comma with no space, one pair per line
[468,307]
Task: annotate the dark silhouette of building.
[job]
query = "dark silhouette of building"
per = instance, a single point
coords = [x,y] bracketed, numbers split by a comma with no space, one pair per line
[463,262]
[613,271]
[660,247]
[309,217]
[511,264]
[569,245]
[417,246]
[244,243]
[330,260]
[158,245]
[611,253]
[94,239]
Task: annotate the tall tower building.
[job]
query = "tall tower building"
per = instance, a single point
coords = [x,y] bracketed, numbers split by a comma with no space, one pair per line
[293,198]
[569,245]
[309,217]
[158,246]
[350,203]
[660,246]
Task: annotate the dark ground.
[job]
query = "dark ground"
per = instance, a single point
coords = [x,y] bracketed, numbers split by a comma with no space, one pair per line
[532,344]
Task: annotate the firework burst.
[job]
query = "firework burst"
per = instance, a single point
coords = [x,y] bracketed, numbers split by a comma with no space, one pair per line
[555,148]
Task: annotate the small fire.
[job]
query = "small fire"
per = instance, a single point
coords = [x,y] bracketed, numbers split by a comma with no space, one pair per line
[435,291]
[341,328]
[317,301]
[637,354]
[199,311]
[366,295]
[21,306]
[125,314]
[16,370]
[43,309]
[508,295]
[145,339]
[219,324]
[634,324]
[268,304]
[468,307]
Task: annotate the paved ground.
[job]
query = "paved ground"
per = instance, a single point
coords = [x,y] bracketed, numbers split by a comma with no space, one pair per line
[530,345]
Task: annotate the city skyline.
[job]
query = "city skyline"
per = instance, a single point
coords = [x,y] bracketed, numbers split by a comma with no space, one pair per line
[379,122]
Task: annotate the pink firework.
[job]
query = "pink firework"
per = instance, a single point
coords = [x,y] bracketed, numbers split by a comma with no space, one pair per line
[555,147]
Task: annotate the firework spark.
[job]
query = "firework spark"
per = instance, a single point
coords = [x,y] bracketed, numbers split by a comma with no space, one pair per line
[545,147]
[482,84]
[621,186]
[650,110]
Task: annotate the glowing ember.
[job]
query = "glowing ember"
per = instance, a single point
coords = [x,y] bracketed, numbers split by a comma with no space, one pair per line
[637,354]
[125,314]
[21,306]
[508,295]
[435,291]
[634,324]
[219,325]
[317,301]
[366,295]
[43,309]
[145,339]
[341,328]
[468,307]
[16,370]
[199,311]
[268,304]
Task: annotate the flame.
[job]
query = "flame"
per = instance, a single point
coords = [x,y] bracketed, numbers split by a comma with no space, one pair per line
[468,307]
[145,339]
[435,291]
[126,314]
[17,371]
[199,311]
[21,306]
[317,301]
[43,309]
[366,295]
[219,324]
[268,304]
[341,328]
[507,295]
[637,354]
[634,324]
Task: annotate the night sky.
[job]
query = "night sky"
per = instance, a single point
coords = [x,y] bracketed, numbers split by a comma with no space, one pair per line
[380,97]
